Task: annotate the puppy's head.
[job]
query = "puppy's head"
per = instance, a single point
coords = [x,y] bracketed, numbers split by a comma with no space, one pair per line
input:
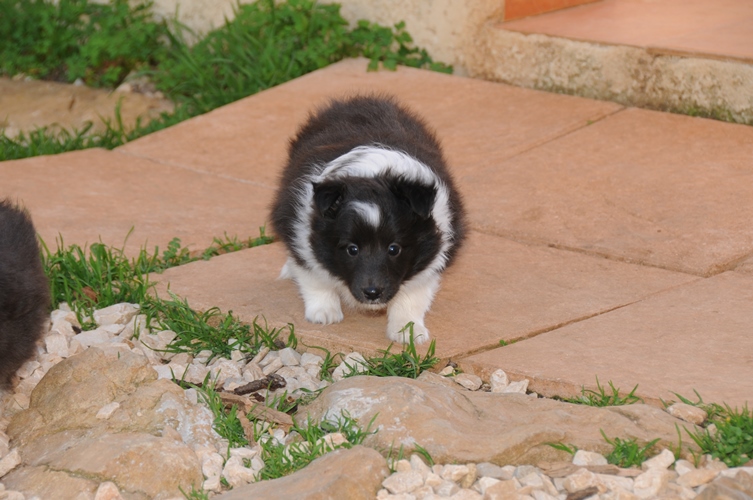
[374,233]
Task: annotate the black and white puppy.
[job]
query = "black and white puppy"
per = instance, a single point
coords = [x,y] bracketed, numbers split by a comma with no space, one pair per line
[368,212]
[24,291]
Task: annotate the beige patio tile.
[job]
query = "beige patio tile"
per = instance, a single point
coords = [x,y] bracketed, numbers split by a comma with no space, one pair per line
[653,188]
[693,337]
[95,194]
[475,120]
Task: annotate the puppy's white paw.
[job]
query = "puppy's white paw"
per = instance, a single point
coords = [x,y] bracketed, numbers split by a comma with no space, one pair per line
[324,310]
[401,334]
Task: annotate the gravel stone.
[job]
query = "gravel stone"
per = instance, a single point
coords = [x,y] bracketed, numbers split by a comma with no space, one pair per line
[585,458]
[290,357]
[498,381]
[469,381]
[688,413]
[697,477]
[661,461]
[403,482]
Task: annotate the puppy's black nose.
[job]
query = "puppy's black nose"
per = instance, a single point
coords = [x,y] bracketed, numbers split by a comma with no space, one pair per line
[372,293]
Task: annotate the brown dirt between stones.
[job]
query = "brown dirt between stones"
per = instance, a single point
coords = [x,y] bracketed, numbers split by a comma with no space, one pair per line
[27,105]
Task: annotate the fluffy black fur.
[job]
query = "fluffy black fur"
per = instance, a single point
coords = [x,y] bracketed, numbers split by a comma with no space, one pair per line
[375,273]
[24,291]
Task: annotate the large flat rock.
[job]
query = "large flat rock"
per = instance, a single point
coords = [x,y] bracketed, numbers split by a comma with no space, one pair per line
[477,121]
[693,337]
[497,290]
[653,188]
[92,195]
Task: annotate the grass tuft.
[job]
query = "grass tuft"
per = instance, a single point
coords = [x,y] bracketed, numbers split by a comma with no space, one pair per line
[407,363]
[600,397]
[732,441]
[567,448]
[627,452]
[281,459]
[213,330]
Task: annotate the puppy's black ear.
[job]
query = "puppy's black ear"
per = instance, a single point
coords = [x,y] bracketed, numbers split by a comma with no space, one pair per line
[328,197]
[419,196]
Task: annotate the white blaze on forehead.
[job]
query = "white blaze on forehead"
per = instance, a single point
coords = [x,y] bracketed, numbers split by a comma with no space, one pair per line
[367,211]
[372,161]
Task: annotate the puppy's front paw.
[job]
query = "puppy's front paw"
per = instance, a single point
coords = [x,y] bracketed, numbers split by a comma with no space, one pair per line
[324,310]
[402,334]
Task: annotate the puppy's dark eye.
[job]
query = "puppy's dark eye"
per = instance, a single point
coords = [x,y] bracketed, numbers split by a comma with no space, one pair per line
[394,250]
[352,250]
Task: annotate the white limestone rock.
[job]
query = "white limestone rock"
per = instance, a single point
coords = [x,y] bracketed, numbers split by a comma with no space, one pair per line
[661,461]
[688,413]
[119,314]
[498,381]
[107,410]
[468,380]
[290,357]
[586,458]
[57,344]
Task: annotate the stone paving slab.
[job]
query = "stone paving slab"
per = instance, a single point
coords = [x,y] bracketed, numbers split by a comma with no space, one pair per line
[497,290]
[477,121]
[95,194]
[693,337]
[653,188]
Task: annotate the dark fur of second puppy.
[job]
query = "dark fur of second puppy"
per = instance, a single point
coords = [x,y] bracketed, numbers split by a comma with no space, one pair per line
[24,291]
[369,213]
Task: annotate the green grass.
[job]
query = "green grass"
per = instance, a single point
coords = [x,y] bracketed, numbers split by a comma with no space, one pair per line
[424,453]
[627,452]
[281,460]
[98,276]
[406,363]
[601,397]
[732,442]
[63,41]
[265,44]
[567,448]
[226,422]
[221,333]
[95,277]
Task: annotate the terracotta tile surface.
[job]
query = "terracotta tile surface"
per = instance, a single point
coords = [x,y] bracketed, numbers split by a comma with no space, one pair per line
[93,194]
[694,337]
[515,9]
[475,120]
[497,290]
[692,26]
[648,187]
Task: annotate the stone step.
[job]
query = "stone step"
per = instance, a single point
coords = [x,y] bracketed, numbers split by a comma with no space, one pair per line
[688,56]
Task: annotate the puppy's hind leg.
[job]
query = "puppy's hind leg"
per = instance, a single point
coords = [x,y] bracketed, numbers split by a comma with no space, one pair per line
[319,293]
[410,305]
